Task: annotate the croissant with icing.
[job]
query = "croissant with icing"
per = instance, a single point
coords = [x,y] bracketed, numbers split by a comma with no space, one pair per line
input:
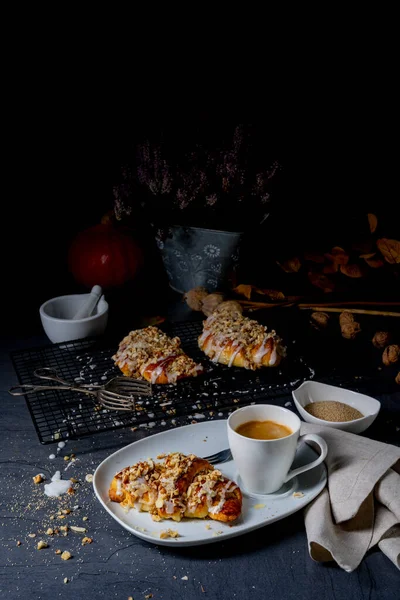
[180,486]
[150,354]
[231,339]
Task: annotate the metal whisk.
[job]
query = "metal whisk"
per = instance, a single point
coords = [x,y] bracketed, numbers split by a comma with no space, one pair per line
[117,394]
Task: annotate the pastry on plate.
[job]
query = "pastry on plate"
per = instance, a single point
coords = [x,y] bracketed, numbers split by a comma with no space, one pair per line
[231,339]
[152,355]
[179,486]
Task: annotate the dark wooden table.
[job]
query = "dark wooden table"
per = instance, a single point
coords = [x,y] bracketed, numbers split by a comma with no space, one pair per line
[272,562]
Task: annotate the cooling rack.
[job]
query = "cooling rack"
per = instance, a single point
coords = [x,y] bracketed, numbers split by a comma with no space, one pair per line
[58,415]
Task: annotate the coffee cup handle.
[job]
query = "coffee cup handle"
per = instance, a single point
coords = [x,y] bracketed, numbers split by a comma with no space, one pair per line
[311,437]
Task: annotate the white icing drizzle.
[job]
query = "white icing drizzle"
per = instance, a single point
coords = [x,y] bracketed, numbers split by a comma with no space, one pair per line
[234,354]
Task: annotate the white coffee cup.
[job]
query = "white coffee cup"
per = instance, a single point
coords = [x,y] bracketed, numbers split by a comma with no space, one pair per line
[264,465]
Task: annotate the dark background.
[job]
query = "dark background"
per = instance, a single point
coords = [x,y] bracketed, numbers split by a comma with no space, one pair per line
[63,160]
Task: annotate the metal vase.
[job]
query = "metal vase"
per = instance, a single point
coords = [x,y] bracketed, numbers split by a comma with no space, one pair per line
[194,256]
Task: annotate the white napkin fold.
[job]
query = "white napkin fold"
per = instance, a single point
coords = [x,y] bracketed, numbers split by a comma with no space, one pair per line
[360,507]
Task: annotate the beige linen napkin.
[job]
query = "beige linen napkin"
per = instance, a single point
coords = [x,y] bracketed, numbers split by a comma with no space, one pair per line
[360,507]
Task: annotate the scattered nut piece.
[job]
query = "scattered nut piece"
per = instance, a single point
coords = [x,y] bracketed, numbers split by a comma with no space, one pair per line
[66,579]
[38,478]
[85,518]
[168,533]
[31,535]
[319,320]
[86,540]
[58,551]
[52,518]
[391,355]
[66,511]
[71,491]
[66,555]
[73,480]
[194,298]
[78,529]
[42,544]
[298,495]
[148,596]
[49,531]
[66,457]
[89,478]
[381,339]
[348,325]
[64,527]
[185,578]
[18,543]
[62,517]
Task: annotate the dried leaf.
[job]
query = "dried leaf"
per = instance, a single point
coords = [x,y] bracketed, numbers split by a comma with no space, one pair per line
[321,281]
[291,266]
[272,294]
[374,262]
[352,270]
[244,290]
[330,268]
[247,291]
[390,250]
[373,222]
[338,255]
[314,257]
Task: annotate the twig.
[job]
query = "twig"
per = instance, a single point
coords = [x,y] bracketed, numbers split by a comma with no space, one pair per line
[359,311]
[352,303]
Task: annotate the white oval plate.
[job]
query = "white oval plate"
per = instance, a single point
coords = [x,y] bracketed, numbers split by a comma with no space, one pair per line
[204,439]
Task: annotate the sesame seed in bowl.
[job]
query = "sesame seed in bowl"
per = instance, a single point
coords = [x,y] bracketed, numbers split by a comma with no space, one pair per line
[336,407]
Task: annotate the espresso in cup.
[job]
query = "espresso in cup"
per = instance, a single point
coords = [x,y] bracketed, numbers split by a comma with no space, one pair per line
[263,430]
[263,439]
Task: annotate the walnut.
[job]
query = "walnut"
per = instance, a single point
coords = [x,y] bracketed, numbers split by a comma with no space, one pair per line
[229,307]
[194,298]
[348,325]
[391,355]
[319,320]
[210,303]
[381,339]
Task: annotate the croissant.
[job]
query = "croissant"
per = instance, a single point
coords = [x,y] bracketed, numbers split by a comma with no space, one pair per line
[231,339]
[181,486]
[150,354]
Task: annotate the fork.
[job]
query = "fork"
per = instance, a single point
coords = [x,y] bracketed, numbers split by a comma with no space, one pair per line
[116,394]
[219,457]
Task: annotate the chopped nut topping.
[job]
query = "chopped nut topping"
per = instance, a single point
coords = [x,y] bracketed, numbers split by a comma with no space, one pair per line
[42,545]
[18,543]
[66,457]
[31,535]
[66,580]
[71,491]
[66,511]
[298,494]
[64,527]
[38,478]
[49,531]
[89,477]
[66,555]
[73,480]
[85,518]
[58,551]
[52,518]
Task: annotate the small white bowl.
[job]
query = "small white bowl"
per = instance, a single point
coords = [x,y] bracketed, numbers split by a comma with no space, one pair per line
[56,316]
[313,391]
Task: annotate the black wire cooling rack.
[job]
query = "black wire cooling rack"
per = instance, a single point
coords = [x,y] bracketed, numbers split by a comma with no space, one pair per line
[59,414]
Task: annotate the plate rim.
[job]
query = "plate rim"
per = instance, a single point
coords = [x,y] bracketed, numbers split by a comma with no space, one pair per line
[180,542]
